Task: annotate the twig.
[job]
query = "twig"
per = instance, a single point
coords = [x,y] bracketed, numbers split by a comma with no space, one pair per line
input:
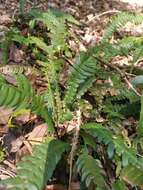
[74,146]
[123,75]
[96,17]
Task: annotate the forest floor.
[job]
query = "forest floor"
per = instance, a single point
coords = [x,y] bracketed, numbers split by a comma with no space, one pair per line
[93,15]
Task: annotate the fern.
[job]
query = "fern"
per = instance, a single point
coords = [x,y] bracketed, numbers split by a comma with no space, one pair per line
[34,171]
[23,96]
[84,70]
[21,6]
[119,185]
[15,97]
[120,20]
[133,175]
[115,143]
[91,171]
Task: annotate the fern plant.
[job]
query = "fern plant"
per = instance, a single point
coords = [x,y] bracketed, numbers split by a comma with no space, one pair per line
[91,74]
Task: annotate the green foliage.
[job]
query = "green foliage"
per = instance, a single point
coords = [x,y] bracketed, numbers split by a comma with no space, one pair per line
[34,171]
[119,185]
[22,96]
[91,171]
[81,77]
[116,144]
[133,175]
[120,20]
[15,97]
[91,75]
[21,6]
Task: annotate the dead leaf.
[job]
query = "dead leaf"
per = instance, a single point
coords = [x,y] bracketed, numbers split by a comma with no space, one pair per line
[5,19]
[5,113]
[38,132]
[16,54]
[16,144]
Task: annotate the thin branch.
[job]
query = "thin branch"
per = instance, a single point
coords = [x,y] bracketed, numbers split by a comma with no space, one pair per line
[96,17]
[123,75]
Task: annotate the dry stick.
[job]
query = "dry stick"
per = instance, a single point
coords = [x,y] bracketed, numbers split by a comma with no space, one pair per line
[74,146]
[123,75]
[96,17]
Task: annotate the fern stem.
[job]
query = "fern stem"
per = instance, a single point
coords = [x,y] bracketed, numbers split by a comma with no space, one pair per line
[74,146]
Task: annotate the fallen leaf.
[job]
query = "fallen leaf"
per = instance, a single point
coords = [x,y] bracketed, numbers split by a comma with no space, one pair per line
[5,19]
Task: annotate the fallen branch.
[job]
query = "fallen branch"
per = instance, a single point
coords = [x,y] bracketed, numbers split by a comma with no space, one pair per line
[96,17]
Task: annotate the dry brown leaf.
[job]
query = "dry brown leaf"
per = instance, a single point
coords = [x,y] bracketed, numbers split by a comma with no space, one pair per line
[5,113]
[38,132]
[5,19]
[16,54]
[16,144]
[33,138]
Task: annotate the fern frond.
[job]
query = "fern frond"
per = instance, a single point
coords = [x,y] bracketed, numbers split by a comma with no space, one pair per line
[5,45]
[34,171]
[21,6]
[120,20]
[114,143]
[15,97]
[83,70]
[91,171]
[22,96]
[133,175]
[119,185]
[53,22]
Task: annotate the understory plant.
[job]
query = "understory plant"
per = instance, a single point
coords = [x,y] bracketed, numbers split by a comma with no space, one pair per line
[104,149]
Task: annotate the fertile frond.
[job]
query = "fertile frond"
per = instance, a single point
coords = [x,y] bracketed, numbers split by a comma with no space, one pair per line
[81,77]
[53,22]
[120,20]
[35,170]
[18,69]
[91,171]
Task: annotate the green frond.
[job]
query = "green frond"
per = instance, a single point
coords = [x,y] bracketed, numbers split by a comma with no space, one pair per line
[133,175]
[91,171]
[115,144]
[35,170]
[120,20]
[119,185]
[21,6]
[5,45]
[83,70]
[22,96]
[53,22]
[15,96]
